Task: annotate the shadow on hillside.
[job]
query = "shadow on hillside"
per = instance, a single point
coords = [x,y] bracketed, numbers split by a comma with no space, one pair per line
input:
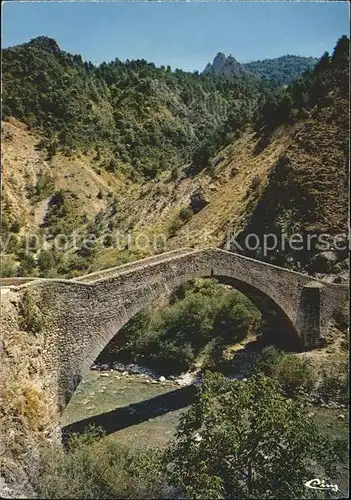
[121,418]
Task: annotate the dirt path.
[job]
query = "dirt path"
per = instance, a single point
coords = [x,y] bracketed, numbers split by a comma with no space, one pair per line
[40,212]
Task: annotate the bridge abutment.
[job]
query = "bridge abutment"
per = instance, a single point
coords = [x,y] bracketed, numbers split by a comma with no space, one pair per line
[309,318]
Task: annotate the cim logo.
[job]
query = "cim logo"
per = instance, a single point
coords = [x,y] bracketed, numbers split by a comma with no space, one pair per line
[318,484]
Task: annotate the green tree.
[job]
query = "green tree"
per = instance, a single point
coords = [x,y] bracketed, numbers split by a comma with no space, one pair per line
[323,64]
[295,374]
[136,336]
[246,440]
[45,261]
[27,263]
[341,53]
[202,156]
[236,318]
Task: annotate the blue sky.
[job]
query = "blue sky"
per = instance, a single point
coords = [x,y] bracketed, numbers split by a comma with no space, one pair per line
[182,34]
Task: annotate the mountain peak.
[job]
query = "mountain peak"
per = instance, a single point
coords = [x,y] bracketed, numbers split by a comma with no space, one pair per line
[44,43]
[227,66]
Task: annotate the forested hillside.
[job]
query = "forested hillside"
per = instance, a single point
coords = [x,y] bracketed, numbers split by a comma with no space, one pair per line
[279,71]
[307,189]
[140,117]
[282,70]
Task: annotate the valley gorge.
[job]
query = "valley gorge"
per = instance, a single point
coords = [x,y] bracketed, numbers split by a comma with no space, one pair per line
[135,207]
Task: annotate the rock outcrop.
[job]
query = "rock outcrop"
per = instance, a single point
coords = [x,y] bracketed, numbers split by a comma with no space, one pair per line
[226,66]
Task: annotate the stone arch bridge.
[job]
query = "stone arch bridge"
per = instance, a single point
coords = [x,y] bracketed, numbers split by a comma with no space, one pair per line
[82,315]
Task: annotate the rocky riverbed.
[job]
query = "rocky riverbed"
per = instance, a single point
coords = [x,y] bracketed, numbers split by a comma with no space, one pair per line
[136,406]
[146,374]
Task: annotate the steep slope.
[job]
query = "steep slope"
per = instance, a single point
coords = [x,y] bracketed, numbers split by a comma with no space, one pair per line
[307,192]
[285,172]
[166,213]
[140,118]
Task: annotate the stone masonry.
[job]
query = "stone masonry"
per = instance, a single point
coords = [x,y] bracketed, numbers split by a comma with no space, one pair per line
[81,316]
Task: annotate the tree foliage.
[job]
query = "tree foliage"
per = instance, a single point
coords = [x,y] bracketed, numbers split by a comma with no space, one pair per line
[94,468]
[281,70]
[246,440]
[201,313]
[282,105]
[137,114]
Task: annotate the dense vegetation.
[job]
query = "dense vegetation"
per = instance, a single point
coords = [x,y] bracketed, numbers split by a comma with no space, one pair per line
[234,442]
[91,468]
[134,118]
[134,115]
[330,73]
[279,71]
[131,113]
[307,189]
[203,317]
[301,377]
[238,437]
[145,117]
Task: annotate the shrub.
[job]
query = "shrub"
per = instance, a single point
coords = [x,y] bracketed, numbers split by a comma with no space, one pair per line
[295,374]
[174,227]
[201,156]
[174,175]
[30,318]
[110,165]
[45,261]
[25,402]
[185,214]
[27,263]
[8,267]
[134,339]
[93,468]
[334,381]
[44,187]
[255,183]
[236,318]
[15,226]
[268,360]
[190,319]
[238,437]
[161,189]
[201,319]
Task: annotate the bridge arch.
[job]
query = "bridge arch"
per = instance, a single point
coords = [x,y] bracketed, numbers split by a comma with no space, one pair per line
[84,316]
[270,310]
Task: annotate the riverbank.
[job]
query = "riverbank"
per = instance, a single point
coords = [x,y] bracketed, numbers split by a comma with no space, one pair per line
[102,392]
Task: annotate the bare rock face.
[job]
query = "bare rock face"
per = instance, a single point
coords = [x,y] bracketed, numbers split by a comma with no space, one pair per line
[226,66]
[219,63]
